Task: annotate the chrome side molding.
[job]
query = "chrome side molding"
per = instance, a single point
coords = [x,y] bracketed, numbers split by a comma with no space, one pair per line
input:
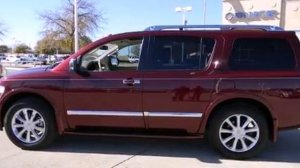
[175,114]
[105,113]
[134,114]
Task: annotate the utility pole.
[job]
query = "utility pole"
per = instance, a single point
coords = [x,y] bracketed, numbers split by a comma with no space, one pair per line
[75,27]
[204,12]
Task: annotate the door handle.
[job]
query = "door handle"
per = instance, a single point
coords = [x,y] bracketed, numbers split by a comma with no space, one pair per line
[131,82]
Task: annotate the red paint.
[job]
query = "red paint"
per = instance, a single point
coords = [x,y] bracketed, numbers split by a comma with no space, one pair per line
[162,91]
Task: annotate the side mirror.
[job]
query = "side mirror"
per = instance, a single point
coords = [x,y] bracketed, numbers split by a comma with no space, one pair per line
[113,63]
[73,65]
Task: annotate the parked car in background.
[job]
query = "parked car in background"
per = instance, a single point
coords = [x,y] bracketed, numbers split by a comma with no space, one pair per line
[133,59]
[28,58]
[1,70]
[2,57]
[13,59]
[42,60]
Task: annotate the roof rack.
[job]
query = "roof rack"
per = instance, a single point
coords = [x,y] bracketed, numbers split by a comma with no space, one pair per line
[214,27]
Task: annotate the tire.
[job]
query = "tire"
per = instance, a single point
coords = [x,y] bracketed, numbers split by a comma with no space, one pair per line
[241,142]
[30,124]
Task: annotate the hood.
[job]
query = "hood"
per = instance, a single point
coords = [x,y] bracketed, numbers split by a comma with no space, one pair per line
[25,73]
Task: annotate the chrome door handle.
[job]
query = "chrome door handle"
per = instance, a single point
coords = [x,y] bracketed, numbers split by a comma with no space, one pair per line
[131,81]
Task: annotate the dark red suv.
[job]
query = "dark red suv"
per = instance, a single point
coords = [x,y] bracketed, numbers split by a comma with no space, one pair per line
[235,85]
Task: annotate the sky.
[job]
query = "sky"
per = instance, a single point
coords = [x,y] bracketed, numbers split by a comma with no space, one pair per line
[22,24]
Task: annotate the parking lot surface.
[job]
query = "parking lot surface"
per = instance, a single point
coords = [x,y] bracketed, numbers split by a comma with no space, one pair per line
[108,152]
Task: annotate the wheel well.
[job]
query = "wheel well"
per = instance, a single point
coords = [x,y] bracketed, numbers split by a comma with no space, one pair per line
[261,107]
[17,97]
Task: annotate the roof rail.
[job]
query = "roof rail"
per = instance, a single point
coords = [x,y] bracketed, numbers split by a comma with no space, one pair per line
[210,27]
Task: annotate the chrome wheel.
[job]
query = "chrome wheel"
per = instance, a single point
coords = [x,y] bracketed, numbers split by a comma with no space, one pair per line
[239,133]
[28,125]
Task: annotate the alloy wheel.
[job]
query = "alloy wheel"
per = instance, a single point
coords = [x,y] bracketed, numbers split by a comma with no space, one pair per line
[28,125]
[239,133]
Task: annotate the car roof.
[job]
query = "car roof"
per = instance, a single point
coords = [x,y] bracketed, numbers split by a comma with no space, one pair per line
[214,27]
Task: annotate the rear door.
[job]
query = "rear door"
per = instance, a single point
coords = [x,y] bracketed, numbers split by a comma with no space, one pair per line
[176,84]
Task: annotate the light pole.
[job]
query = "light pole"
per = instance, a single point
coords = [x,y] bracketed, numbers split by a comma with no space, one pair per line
[183,10]
[75,26]
[13,45]
[204,12]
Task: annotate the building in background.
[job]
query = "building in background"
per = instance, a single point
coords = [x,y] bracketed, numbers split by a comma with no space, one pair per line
[283,13]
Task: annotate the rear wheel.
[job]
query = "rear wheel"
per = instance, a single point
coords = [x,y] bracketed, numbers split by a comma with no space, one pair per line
[29,124]
[238,132]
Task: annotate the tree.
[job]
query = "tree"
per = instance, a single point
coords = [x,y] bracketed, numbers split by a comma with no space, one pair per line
[85,40]
[50,46]
[59,24]
[4,49]
[22,48]
[45,46]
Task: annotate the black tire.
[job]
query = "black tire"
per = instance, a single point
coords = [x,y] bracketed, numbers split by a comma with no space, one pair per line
[41,134]
[235,148]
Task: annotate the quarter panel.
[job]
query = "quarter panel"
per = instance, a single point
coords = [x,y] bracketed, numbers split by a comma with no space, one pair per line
[279,93]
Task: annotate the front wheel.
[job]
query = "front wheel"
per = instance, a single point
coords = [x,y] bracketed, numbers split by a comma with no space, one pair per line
[29,124]
[238,132]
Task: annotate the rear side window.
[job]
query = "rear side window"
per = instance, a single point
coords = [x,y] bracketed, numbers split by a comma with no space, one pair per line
[262,54]
[179,53]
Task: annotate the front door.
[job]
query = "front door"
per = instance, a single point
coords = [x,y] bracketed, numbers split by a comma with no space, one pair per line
[108,93]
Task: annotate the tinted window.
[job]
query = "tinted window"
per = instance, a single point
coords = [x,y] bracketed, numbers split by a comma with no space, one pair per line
[179,53]
[261,54]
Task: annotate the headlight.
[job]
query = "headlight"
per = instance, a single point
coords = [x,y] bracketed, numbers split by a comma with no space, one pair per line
[2,89]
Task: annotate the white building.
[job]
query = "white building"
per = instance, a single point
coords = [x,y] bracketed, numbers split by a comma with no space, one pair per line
[283,13]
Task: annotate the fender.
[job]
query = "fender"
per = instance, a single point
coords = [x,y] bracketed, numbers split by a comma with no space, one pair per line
[52,99]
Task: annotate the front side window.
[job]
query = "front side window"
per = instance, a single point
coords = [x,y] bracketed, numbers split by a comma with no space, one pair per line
[262,54]
[179,52]
[119,55]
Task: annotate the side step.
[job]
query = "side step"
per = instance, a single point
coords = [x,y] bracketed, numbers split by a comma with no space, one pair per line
[196,136]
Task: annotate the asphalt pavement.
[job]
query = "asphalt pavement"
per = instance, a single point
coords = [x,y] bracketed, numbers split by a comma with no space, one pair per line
[109,152]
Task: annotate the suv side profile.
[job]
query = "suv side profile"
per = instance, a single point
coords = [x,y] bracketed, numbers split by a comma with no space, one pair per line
[236,86]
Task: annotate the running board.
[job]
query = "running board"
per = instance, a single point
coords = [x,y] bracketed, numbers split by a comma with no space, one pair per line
[196,136]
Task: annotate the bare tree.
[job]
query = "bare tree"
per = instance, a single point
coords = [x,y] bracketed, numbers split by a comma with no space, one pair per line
[60,23]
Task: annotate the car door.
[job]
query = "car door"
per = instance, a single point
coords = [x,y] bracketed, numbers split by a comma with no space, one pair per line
[176,85]
[107,90]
